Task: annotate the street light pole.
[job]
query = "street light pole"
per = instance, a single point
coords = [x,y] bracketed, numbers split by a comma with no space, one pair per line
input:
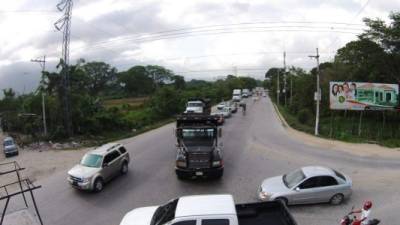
[317,95]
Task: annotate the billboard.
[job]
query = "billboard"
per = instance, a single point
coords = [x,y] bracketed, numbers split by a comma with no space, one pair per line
[363,96]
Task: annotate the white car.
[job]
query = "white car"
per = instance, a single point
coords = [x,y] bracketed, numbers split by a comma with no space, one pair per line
[221,105]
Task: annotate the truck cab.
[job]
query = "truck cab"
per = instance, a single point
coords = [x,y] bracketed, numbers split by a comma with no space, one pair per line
[210,210]
[199,153]
[237,95]
[198,106]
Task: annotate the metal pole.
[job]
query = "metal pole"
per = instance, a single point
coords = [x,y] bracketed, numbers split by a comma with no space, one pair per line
[317,96]
[291,88]
[44,115]
[277,89]
[284,76]
[42,63]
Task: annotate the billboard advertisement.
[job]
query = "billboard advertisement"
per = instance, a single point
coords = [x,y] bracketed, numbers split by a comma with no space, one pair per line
[363,96]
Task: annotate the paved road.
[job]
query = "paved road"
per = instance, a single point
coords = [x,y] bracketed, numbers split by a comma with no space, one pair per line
[256,146]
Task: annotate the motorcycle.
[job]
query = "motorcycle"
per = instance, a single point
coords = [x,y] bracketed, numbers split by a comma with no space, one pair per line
[351,219]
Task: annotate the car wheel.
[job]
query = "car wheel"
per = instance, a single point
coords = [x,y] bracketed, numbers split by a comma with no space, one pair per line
[337,199]
[98,185]
[283,200]
[124,168]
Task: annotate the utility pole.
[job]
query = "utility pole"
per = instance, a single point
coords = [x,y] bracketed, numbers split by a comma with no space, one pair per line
[277,88]
[317,95]
[291,88]
[284,75]
[42,63]
[64,24]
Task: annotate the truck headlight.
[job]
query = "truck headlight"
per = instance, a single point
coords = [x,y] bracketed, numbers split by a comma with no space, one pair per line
[217,163]
[181,163]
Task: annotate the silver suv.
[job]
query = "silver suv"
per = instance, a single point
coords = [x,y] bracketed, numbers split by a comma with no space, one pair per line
[99,166]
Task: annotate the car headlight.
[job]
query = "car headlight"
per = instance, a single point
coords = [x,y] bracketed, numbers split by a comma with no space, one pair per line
[263,195]
[217,163]
[181,163]
[85,180]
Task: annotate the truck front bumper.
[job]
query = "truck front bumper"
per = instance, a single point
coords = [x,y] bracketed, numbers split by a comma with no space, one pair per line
[203,172]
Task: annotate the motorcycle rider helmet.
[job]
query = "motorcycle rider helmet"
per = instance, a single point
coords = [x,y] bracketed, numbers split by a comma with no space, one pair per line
[367,205]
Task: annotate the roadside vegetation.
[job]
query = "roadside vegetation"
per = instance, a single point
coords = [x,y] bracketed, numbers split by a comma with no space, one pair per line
[374,57]
[106,104]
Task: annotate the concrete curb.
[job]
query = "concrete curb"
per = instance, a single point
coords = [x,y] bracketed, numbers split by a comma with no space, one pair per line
[281,118]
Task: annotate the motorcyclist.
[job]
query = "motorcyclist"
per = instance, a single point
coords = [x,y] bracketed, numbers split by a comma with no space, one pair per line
[365,212]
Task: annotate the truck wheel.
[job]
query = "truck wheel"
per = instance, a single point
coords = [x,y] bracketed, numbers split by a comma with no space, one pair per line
[337,199]
[124,168]
[98,185]
[283,200]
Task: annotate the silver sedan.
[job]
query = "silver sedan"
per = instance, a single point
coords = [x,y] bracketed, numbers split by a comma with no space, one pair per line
[311,184]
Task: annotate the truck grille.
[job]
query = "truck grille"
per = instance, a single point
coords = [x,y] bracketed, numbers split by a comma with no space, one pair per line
[199,160]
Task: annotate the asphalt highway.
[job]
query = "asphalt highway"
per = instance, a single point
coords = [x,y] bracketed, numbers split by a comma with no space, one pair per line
[256,146]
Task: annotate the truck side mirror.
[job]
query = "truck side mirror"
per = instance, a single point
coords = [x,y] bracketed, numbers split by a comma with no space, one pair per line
[220,132]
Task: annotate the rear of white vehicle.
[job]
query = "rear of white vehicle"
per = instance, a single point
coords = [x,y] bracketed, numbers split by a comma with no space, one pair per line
[237,95]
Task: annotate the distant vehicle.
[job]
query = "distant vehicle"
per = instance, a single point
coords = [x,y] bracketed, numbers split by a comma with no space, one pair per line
[226,112]
[210,210]
[237,95]
[198,151]
[199,106]
[232,106]
[9,147]
[221,119]
[221,105]
[264,94]
[99,166]
[245,93]
[312,184]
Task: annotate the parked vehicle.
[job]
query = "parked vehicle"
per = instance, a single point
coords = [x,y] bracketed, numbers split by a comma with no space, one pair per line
[198,106]
[9,147]
[198,152]
[210,210]
[99,166]
[311,184]
[237,95]
[226,112]
[232,106]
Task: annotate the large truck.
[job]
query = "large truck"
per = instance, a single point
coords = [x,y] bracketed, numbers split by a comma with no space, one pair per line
[245,93]
[237,95]
[210,209]
[198,151]
[198,106]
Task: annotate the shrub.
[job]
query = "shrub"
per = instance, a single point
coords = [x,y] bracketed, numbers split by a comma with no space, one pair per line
[304,116]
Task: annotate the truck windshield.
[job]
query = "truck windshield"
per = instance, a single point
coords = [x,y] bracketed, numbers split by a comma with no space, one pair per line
[198,136]
[293,178]
[164,213]
[91,160]
[194,104]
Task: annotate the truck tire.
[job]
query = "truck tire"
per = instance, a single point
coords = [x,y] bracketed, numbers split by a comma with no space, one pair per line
[124,168]
[98,185]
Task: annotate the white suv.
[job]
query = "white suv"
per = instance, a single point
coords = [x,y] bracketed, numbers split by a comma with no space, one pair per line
[99,166]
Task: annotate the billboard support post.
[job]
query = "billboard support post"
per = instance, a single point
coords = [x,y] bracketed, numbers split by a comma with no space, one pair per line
[359,123]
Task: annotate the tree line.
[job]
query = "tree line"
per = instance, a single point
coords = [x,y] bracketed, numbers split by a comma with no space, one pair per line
[93,83]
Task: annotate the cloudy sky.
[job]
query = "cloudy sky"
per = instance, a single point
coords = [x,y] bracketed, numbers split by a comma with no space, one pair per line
[195,38]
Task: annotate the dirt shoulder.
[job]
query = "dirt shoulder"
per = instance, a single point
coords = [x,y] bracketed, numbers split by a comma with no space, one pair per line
[360,149]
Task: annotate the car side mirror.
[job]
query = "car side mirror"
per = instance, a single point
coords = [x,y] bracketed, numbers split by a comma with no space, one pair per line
[105,164]
[297,189]
[220,132]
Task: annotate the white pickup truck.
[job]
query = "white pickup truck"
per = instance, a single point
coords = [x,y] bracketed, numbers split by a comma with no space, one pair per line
[210,210]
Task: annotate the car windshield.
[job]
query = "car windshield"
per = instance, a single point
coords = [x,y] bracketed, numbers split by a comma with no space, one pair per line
[293,178]
[164,213]
[92,160]
[8,143]
[198,136]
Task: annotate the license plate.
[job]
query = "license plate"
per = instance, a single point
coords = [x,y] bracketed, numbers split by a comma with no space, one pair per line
[199,173]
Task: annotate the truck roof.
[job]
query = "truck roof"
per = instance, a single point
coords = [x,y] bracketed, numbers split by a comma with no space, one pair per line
[205,205]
